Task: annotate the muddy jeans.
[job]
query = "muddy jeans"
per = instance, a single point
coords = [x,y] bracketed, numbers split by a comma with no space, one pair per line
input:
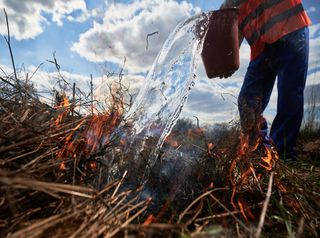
[286,59]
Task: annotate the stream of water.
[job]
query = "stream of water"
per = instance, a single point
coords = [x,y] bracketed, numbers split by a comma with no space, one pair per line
[168,83]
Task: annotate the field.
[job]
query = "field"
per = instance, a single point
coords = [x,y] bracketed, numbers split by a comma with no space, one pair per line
[65,174]
[74,167]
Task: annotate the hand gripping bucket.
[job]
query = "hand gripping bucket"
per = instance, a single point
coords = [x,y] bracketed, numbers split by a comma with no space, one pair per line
[220,53]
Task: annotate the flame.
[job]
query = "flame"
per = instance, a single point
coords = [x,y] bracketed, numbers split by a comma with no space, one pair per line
[100,129]
[245,211]
[242,210]
[92,165]
[64,106]
[172,142]
[246,175]
[65,102]
[243,145]
[63,166]
[245,168]
[94,135]
[150,219]
[267,160]
[210,146]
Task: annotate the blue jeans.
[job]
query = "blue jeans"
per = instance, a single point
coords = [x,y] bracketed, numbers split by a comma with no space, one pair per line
[286,59]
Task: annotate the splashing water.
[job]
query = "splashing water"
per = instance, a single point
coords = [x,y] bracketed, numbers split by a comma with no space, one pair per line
[168,83]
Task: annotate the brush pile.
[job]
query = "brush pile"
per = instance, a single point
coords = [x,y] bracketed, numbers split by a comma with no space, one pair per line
[63,174]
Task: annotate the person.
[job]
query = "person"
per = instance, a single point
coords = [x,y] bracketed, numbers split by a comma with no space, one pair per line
[277,32]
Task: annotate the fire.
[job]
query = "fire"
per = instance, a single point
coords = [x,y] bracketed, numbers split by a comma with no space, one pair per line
[63,166]
[248,167]
[92,165]
[267,160]
[64,107]
[172,142]
[65,102]
[96,135]
[100,129]
[123,142]
[242,210]
[210,146]
[245,211]
[93,132]
[150,219]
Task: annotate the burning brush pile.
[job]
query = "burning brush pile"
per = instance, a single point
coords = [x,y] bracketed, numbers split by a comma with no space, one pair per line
[68,174]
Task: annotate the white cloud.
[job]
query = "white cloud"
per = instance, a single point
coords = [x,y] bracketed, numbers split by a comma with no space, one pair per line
[26,17]
[206,100]
[314,30]
[311,9]
[124,29]
[46,82]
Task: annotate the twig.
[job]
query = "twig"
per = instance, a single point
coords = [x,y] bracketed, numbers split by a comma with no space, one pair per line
[255,177]
[35,71]
[91,91]
[22,155]
[55,62]
[119,184]
[236,218]
[75,164]
[160,226]
[7,82]
[73,99]
[300,229]
[198,199]
[8,39]
[45,186]
[123,225]
[265,206]
[37,228]
[10,114]
[226,214]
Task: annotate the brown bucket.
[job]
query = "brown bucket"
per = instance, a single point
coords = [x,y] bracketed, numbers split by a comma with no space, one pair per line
[220,53]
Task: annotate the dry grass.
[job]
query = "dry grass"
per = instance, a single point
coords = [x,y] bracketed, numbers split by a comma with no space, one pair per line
[46,190]
[63,174]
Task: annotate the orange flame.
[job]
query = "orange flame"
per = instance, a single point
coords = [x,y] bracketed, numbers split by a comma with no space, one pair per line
[268,160]
[64,106]
[150,219]
[92,165]
[172,142]
[94,135]
[242,210]
[63,166]
[245,211]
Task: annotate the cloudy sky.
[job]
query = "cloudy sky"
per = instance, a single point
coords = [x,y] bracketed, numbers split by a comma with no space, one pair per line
[94,36]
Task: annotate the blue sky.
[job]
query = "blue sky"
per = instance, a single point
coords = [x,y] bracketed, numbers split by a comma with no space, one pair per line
[60,38]
[92,36]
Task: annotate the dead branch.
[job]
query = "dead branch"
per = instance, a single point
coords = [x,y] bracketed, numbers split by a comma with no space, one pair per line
[265,206]
[8,41]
